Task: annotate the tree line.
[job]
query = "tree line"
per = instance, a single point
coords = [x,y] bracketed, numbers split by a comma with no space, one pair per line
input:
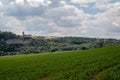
[40,44]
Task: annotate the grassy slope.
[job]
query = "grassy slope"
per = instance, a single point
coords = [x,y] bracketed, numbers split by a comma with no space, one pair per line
[95,64]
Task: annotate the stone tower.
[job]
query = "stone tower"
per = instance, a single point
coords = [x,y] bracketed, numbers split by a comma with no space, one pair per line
[23,33]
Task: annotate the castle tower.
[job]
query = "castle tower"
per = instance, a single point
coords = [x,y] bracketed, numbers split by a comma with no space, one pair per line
[23,33]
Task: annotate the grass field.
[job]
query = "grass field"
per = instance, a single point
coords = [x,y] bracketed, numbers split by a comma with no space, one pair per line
[94,64]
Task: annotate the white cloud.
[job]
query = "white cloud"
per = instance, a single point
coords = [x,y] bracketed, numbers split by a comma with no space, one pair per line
[36,3]
[63,2]
[20,2]
[89,1]
[101,4]
[106,5]
[106,23]
[0,4]
[17,2]
[85,1]
[60,17]
[33,3]
[116,24]
[15,25]
[66,15]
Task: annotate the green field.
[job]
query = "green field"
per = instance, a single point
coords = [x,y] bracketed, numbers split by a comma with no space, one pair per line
[94,64]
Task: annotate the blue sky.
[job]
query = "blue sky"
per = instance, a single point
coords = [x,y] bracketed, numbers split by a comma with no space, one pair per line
[83,18]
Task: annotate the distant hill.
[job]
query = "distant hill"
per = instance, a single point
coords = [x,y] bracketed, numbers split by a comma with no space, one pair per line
[93,64]
[11,44]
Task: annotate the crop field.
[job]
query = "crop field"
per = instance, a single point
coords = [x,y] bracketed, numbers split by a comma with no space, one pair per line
[94,64]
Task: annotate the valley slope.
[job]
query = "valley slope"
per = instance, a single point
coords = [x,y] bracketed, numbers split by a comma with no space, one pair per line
[93,64]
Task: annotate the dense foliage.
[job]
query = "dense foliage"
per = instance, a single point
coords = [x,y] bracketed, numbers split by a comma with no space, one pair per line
[93,64]
[41,44]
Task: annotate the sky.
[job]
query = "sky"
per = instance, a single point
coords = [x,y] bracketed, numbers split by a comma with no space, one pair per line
[81,18]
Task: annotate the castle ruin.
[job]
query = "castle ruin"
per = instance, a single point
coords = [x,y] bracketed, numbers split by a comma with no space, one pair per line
[24,39]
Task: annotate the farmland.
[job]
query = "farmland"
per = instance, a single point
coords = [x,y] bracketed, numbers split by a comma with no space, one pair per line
[94,64]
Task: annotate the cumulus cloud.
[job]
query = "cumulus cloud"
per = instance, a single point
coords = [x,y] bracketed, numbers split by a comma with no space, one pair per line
[0,8]
[66,15]
[82,1]
[20,2]
[110,17]
[36,3]
[106,23]
[0,3]
[61,17]
[23,11]
[90,1]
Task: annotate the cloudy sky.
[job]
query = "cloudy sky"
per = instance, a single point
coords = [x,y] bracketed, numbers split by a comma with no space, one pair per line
[83,18]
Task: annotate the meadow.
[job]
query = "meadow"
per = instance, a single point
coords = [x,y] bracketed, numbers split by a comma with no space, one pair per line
[93,64]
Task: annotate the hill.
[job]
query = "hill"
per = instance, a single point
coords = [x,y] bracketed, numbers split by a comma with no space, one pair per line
[11,44]
[93,64]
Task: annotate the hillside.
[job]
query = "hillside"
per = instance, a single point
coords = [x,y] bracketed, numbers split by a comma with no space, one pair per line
[11,44]
[93,64]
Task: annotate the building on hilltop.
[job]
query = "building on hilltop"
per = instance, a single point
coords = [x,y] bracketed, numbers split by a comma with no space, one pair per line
[26,37]
[23,40]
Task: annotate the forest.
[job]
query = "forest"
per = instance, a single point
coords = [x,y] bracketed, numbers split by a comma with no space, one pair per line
[41,44]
